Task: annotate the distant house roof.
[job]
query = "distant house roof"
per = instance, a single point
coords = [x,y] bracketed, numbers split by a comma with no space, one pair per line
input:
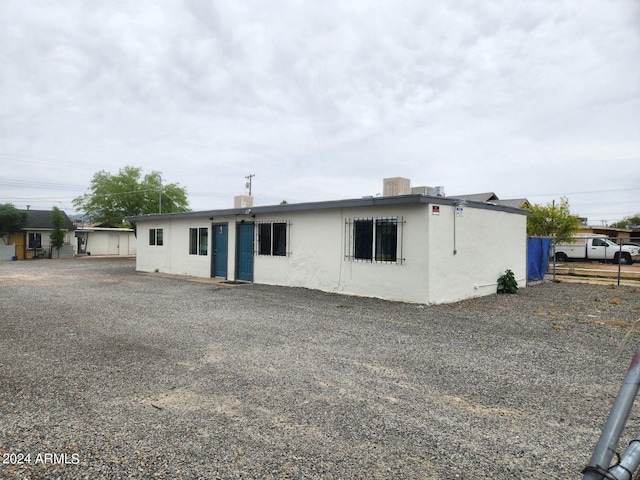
[477,197]
[41,220]
[491,197]
[514,202]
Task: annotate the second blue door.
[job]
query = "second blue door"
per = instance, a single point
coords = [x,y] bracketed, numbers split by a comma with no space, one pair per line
[245,252]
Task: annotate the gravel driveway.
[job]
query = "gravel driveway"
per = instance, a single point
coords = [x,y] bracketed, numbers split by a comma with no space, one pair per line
[108,373]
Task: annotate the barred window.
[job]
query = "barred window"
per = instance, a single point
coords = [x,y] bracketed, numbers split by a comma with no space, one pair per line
[264,239]
[272,238]
[374,239]
[386,240]
[363,239]
[279,239]
[198,241]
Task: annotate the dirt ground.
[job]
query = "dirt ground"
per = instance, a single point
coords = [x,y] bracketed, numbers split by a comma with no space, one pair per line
[116,374]
[597,272]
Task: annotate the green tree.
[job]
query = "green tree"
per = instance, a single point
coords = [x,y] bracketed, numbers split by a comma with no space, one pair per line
[626,222]
[552,220]
[11,219]
[128,193]
[57,224]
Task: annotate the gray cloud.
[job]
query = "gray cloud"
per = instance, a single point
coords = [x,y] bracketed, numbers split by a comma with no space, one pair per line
[322,100]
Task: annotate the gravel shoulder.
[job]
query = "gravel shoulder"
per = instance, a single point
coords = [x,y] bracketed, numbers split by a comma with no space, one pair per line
[125,375]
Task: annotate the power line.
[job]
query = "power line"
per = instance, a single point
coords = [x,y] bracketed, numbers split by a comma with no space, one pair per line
[578,193]
[40,185]
[36,160]
[5,197]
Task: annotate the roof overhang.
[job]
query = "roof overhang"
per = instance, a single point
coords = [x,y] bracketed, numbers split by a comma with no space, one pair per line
[104,229]
[415,199]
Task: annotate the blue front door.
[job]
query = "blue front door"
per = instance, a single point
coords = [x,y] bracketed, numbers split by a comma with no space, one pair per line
[245,252]
[219,266]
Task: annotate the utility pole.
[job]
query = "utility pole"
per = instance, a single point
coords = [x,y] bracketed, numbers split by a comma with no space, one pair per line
[159,193]
[248,184]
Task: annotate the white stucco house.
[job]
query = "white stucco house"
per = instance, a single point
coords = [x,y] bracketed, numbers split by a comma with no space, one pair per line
[414,248]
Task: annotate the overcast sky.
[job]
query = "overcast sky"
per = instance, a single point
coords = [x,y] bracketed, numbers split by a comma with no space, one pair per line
[322,100]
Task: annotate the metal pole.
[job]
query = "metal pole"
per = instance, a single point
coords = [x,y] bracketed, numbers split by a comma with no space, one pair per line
[454,230]
[606,446]
[619,262]
[628,462]
[554,259]
[159,194]
[249,177]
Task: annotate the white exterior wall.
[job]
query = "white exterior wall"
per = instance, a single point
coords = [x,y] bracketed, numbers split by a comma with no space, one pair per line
[181,262]
[487,242]
[102,243]
[7,252]
[152,257]
[314,245]
[45,237]
[173,256]
[168,257]
[317,255]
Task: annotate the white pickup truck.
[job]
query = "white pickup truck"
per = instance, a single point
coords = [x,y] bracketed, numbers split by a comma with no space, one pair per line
[596,248]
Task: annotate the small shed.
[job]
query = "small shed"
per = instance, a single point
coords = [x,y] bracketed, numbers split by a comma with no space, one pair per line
[106,241]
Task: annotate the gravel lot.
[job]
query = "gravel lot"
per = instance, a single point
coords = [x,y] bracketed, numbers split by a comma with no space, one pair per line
[126,375]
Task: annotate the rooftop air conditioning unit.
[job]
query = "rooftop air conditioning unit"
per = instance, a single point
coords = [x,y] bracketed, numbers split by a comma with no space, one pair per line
[396,186]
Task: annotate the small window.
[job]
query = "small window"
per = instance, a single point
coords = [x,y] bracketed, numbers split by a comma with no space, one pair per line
[35,240]
[193,241]
[374,239]
[204,241]
[280,239]
[264,239]
[155,236]
[363,239]
[272,239]
[386,240]
[198,241]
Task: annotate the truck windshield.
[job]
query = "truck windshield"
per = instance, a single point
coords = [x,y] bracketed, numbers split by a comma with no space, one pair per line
[612,244]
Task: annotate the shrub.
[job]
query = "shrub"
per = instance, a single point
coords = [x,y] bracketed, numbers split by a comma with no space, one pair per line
[507,283]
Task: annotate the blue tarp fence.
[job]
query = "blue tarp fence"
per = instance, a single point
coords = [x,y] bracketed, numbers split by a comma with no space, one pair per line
[537,257]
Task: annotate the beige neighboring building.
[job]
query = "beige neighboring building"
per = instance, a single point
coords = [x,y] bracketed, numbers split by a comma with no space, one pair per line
[616,234]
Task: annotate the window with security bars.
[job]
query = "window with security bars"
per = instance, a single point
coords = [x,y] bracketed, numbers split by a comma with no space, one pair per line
[272,238]
[374,239]
[198,241]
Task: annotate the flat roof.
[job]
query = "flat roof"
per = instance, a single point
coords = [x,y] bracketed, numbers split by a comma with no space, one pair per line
[413,199]
[104,229]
